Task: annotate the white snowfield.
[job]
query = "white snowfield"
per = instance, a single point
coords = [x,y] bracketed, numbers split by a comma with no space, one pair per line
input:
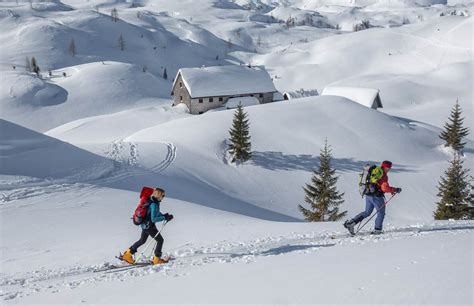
[75,151]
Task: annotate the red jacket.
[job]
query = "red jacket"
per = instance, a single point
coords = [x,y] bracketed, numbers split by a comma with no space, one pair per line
[384,186]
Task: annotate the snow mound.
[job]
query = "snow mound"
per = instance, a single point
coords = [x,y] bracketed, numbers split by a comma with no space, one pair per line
[363,96]
[26,89]
[87,90]
[119,125]
[50,5]
[244,101]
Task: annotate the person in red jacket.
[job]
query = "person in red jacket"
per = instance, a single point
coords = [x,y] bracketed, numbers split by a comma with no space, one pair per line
[375,198]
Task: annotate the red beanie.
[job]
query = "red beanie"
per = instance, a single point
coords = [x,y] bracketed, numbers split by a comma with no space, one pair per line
[386,164]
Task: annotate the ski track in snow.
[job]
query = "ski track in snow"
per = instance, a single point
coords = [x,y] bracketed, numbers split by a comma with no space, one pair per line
[169,159]
[186,256]
[128,170]
[128,166]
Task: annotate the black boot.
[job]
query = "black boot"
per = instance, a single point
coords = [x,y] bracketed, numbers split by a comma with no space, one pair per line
[349,224]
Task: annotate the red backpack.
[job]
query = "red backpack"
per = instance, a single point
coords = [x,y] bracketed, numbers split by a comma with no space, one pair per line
[139,215]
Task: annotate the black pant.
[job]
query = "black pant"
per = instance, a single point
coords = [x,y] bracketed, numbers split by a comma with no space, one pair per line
[151,231]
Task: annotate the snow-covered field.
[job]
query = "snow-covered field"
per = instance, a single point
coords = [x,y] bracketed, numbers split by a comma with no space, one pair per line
[78,144]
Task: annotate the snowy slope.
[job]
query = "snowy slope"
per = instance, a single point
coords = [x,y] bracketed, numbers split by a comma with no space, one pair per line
[29,153]
[272,275]
[218,250]
[420,69]
[87,90]
[358,135]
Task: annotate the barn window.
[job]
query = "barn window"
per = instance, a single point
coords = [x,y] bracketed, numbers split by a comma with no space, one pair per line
[181,98]
[211,99]
[180,85]
[200,100]
[221,99]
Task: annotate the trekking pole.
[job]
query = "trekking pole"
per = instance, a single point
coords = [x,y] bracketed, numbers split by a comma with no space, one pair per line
[384,204]
[150,242]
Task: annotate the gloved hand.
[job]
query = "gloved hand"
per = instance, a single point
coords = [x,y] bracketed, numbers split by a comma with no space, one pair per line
[398,190]
[168,217]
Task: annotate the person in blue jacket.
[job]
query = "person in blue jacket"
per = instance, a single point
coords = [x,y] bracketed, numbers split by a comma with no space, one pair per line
[149,229]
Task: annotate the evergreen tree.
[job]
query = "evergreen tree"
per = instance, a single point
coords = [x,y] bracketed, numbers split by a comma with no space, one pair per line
[165,75]
[456,193]
[321,193]
[240,146]
[34,66]
[72,48]
[121,42]
[454,131]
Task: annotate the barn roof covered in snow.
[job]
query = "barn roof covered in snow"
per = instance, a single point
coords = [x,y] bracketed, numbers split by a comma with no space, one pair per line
[225,80]
[368,97]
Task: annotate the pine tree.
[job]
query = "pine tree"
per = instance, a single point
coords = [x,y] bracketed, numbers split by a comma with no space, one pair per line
[456,193]
[121,42]
[165,75]
[454,131]
[321,193]
[72,48]
[240,146]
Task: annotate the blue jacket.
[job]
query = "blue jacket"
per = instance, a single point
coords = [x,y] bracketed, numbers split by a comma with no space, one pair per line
[153,214]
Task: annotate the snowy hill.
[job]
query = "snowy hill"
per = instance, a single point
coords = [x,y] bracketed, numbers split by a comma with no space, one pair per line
[419,69]
[351,129]
[28,153]
[79,141]
[87,90]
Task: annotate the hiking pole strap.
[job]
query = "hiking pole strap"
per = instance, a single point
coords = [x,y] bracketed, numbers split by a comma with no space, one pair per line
[376,212]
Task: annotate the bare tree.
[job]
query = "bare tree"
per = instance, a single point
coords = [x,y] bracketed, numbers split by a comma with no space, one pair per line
[34,66]
[121,42]
[114,14]
[72,48]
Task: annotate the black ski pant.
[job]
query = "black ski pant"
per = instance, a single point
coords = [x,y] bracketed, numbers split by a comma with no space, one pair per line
[151,231]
